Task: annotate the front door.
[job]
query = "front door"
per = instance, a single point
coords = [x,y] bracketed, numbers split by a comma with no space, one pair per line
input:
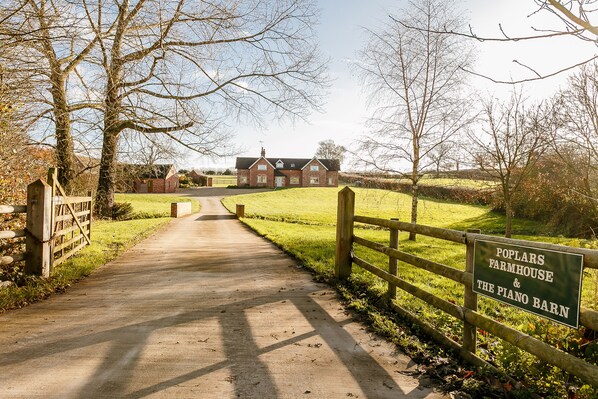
[279,181]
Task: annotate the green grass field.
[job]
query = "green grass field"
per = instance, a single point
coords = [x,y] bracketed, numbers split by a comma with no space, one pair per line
[448,182]
[302,222]
[153,205]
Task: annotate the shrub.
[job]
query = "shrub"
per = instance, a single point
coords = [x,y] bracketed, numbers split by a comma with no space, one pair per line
[122,211]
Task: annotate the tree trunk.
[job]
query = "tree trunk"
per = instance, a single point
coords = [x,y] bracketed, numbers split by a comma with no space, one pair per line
[508,218]
[414,199]
[105,191]
[65,152]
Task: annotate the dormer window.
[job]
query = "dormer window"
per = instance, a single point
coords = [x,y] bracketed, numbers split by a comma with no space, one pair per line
[279,164]
[292,165]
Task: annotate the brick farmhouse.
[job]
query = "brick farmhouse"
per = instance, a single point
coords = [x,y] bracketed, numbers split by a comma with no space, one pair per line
[286,172]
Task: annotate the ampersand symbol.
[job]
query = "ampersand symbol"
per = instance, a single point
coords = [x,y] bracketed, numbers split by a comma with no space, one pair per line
[516,283]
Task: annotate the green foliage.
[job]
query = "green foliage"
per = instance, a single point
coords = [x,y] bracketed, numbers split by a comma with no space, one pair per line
[122,211]
[302,223]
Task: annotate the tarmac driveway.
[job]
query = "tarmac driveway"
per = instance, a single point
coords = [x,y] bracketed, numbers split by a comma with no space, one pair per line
[202,309]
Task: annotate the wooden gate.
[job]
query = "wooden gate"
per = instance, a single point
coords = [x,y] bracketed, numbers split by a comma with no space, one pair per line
[57,226]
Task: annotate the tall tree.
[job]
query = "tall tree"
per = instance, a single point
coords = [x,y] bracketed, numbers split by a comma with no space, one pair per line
[327,149]
[48,43]
[415,82]
[179,68]
[511,141]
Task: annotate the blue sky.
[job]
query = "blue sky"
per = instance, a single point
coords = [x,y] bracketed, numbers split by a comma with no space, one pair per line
[341,35]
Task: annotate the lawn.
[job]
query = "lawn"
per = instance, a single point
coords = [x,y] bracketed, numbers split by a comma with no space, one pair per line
[302,222]
[153,205]
[109,239]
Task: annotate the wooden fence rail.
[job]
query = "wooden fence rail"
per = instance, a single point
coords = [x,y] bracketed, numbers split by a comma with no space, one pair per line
[467,313]
[56,226]
[12,234]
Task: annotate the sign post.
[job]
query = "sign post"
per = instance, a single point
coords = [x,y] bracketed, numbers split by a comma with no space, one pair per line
[544,282]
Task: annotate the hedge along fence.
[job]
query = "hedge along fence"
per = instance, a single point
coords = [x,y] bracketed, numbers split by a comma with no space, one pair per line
[468,312]
[465,195]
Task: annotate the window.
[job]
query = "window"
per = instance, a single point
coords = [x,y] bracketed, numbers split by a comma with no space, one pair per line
[262,178]
[243,179]
[262,167]
[314,168]
[314,180]
[279,164]
[292,165]
[330,181]
[294,180]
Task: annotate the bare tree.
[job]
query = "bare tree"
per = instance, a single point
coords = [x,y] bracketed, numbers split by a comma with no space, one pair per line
[578,18]
[327,149]
[47,44]
[415,81]
[512,140]
[181,68]
[575,130]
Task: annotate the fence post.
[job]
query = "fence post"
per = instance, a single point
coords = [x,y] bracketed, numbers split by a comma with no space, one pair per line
[393,263]
[344,233]
[470,299]
[240,210]
[39,229]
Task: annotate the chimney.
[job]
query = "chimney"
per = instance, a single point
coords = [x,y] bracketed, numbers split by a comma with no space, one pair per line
[263,152]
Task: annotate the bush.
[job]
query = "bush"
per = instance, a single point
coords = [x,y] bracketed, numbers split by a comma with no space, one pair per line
[122,211]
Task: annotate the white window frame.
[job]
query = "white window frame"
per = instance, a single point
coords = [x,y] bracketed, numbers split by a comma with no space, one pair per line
[262,179]
[262,167]
[279,164]
[295,180]
[243,179]
[330,181]
[314,168]
[314,180]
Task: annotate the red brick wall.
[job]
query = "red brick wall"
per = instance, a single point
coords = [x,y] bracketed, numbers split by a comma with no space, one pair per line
[334,176]
[240,174]
[293,173]
[254,172]
[308,174]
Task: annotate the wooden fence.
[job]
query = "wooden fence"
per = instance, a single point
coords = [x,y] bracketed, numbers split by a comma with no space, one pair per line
[56,228]
[467,313]
[12,234]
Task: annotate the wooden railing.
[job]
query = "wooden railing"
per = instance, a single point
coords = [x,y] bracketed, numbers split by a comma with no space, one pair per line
[12,234]
[467,312]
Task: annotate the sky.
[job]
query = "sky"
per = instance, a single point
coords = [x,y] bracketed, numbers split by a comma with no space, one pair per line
[342,34]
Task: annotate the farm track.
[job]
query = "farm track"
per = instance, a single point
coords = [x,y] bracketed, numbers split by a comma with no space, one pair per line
[206,309]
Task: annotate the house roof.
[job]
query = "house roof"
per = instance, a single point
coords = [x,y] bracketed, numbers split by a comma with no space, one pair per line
[299,163]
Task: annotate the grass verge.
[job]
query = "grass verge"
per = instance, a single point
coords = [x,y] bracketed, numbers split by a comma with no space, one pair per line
[302,222]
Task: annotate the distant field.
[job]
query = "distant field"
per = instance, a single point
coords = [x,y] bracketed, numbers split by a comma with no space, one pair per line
[302,222]
[223,180]
[448,182]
